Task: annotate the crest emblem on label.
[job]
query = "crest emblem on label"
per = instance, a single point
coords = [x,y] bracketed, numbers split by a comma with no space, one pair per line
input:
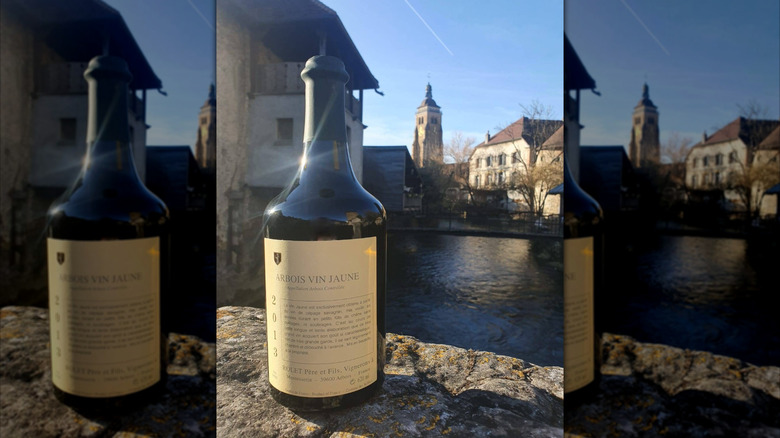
[278,257]
[60,258]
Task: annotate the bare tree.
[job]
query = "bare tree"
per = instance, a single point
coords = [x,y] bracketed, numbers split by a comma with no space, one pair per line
[459,148]
[539,166]
[675,149]
[753,176]
[457,153]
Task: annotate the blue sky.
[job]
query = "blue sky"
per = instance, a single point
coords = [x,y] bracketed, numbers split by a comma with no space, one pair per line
[177,38]
[483,62]
[700,59]
[489,58]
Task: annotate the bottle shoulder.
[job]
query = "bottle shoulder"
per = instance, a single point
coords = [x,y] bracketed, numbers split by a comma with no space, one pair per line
[338,203]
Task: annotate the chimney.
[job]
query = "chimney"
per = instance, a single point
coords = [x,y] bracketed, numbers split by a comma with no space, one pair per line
[487,137]
[704,137]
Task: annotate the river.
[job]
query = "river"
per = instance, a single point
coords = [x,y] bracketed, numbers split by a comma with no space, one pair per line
[501,295]
[701,293]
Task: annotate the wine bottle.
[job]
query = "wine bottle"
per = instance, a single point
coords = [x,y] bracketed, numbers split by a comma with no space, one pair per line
[107,247]
[582,220]
[325,245]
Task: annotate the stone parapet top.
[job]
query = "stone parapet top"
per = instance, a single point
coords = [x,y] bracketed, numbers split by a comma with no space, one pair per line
[29,409]
[658,390]
[429,390]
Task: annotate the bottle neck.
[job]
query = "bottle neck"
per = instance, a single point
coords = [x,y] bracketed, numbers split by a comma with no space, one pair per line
[327,156]
[108,133]
[324,131]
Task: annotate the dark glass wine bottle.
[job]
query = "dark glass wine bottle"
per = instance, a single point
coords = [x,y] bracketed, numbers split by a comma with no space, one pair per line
[107,250]
[325,260]
[582,236]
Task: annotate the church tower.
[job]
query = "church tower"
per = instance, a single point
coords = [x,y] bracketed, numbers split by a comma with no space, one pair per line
[428,145]
[206,145]
[645,148]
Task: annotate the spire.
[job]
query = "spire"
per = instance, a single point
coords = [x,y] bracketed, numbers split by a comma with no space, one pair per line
[645,101]
[428,101]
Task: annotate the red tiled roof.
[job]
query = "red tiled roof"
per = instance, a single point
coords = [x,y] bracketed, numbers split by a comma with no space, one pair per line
[741,128]
[772,141]
[524,128]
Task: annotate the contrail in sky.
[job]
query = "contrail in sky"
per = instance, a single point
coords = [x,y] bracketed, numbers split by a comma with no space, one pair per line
[201,14]
[429,27]
[644,25]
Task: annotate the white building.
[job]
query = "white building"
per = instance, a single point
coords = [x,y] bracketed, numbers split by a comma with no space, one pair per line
[502,162]
[262,47]
[732,157]
[45,46]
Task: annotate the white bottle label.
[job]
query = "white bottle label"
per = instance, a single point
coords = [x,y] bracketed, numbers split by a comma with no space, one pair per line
[104,309]
[578,332]
[322,317]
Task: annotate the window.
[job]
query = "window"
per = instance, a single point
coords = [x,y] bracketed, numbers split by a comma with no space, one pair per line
[67,131]
[693,181]
[695,162]
[717,177]
[650,121]
[706,179]
[718,159]
[500,177]
[476,181]
[284,131]
[515,158]
[706,162]
[489,179]
[637,120]
[733,157]
[488,162]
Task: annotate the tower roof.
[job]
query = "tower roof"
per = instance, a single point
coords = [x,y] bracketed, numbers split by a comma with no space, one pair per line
[645,100]
[428,101]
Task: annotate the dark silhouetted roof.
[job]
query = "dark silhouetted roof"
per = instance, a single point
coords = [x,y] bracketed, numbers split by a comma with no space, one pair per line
[170,173]
[575,76]
[388,172]
[291,29]
[76,29]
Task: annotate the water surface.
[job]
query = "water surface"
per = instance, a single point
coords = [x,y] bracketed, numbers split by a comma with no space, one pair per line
[495,294]
[702,293]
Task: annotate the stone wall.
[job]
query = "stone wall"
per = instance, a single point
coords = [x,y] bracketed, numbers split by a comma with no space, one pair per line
[28,407]
[657,390]
[429,390]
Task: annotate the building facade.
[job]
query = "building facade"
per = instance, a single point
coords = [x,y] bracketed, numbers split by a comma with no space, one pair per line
[262,48]
[526,152]
[428,145]
[206,144]
[741,156]
[45,46]
[644,148]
